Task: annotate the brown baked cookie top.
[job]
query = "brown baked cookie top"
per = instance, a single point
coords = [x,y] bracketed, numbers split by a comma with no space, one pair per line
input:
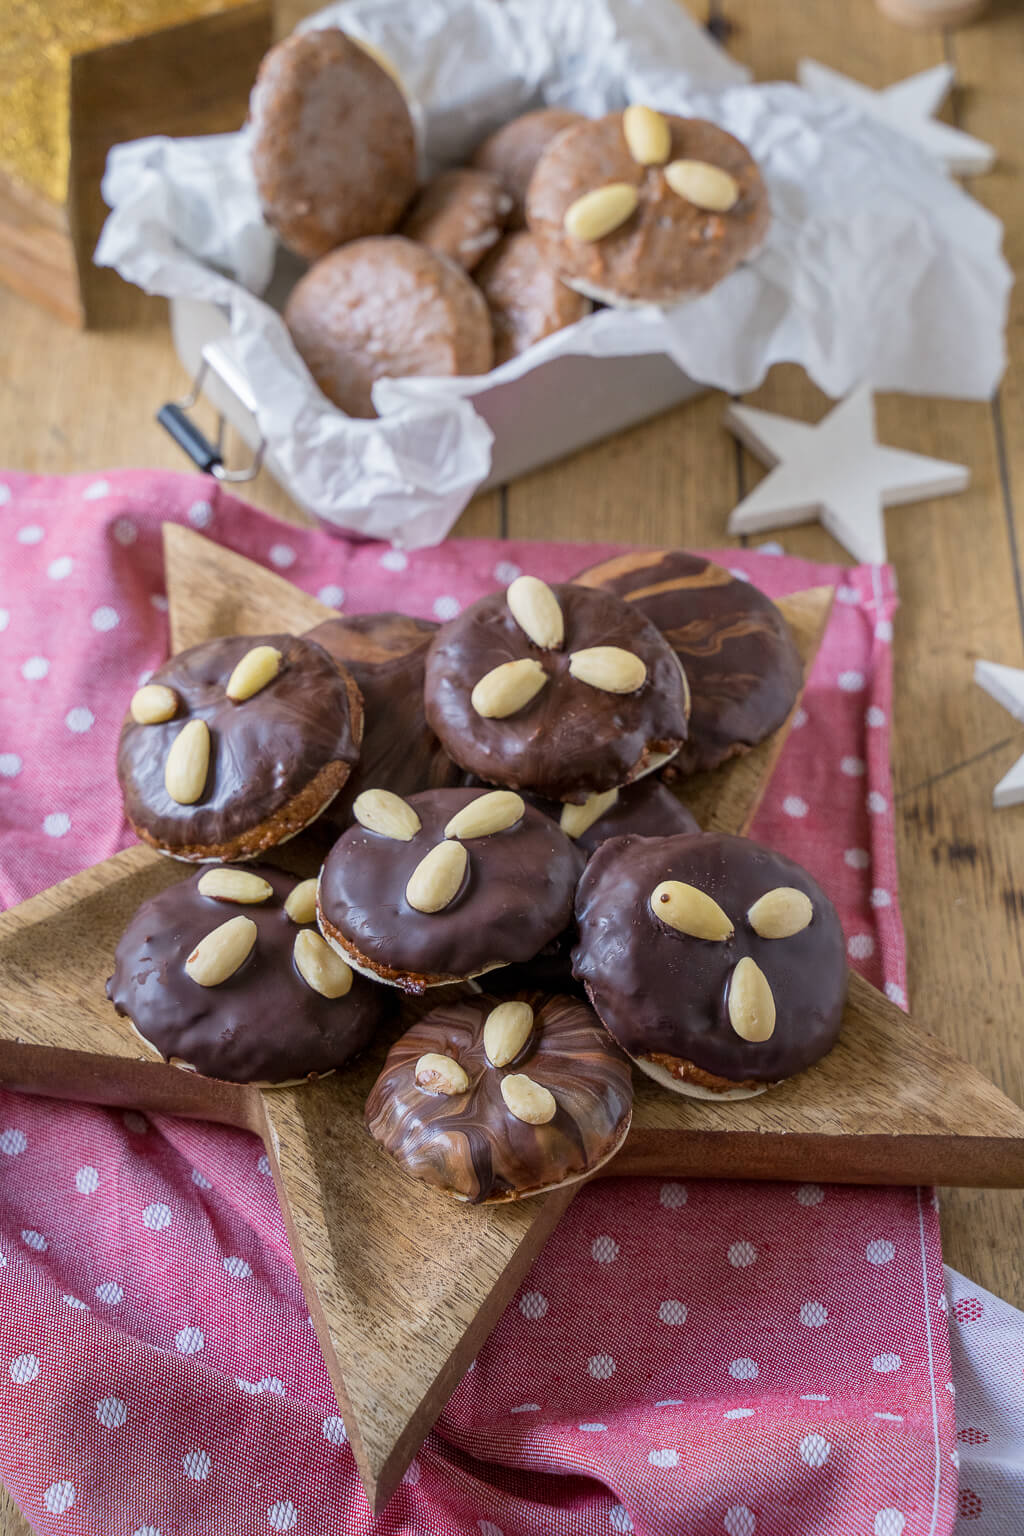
[640,207]
[333,148]
[227,738]
[446,884]
[461,214]
[713,950]
[491,1099]
[385,653]
[740,658]
[512,151]
[565,690]
[225,973]
[526,298]
[387,307]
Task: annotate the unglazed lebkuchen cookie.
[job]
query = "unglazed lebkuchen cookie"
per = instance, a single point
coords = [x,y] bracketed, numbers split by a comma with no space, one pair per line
[386,307]
[461,213]
[563,691]
[492,1100]
[385,653]
[640,207]
[719,966]
[237,744]
[512,151]
[741,660]
[333,147]
[445,885]
[225,974]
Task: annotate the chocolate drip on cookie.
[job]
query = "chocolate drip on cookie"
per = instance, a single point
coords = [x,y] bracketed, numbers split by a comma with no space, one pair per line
[472,1144]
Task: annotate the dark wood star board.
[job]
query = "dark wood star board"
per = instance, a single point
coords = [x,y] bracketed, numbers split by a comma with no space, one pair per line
[402,1284]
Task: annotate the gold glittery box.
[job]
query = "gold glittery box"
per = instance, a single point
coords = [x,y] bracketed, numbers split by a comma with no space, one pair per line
[77,76]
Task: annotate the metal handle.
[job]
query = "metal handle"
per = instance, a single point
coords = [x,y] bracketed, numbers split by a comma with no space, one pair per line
[206,456]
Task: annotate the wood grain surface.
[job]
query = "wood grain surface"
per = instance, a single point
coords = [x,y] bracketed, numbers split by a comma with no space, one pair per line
[675,479]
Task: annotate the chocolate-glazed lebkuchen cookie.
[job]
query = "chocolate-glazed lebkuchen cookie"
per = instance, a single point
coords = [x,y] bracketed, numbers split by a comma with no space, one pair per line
[741,661]
[385,653]
[563,691]
[445,885]
[718,965]
[237,744]
[226,974]
[493,1100]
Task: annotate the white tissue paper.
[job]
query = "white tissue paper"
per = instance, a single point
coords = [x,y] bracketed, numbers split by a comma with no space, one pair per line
[877,267]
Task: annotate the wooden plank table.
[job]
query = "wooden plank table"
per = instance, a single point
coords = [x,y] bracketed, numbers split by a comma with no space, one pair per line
[71,402]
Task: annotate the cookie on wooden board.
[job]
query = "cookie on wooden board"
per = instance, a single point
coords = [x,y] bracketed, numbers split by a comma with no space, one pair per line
[718,965]
[445,885]
[491,1100]
[237,744]
[564,691]
[740,658]
[226,974]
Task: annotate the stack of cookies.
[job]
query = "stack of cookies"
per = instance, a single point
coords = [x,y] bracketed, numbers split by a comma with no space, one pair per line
[554,212]
[493,798]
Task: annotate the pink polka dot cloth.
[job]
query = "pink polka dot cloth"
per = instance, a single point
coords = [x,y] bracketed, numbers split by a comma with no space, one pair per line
[753,1360]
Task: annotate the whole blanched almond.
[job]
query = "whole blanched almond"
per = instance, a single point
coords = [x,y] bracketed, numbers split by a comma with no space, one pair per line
[220,954]
[536,610]
[507,689]
[300,903]
[319,966]
[780,913]
[494,812]
[690,911]
[441,1074]
[577,819]
[506,1031]
[378,810]
[527,1100]
[256,669]
[153,704]
[647,134]
[235,885]
[598,213]
[703,185]
[435,881]
[609,668]
[751,1004]
[188,763]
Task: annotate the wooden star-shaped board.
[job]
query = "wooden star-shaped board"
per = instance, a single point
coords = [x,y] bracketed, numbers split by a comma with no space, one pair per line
[403,1285]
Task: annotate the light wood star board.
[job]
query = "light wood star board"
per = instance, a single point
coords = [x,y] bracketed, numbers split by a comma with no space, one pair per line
[403,1286]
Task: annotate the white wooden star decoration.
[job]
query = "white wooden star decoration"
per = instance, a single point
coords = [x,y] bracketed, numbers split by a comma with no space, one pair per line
[1006,686]
[836,472]
[909,106]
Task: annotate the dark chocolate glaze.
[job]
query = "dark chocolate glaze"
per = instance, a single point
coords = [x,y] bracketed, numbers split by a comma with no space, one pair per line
[263,752]
[659,990]
[516,896]
[385,653]
[264,1024]
[646,809]
[737,650]
[571,739]
[469,1144]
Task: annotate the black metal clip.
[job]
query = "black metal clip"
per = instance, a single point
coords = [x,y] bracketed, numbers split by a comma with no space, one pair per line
[206,456]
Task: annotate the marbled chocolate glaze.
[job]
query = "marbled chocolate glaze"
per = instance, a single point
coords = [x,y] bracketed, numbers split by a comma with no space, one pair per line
[385,653]
[571,739]
[658,990]
[470,1144]
[263,752]
[516,895]
[264,1024]
[738,652]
